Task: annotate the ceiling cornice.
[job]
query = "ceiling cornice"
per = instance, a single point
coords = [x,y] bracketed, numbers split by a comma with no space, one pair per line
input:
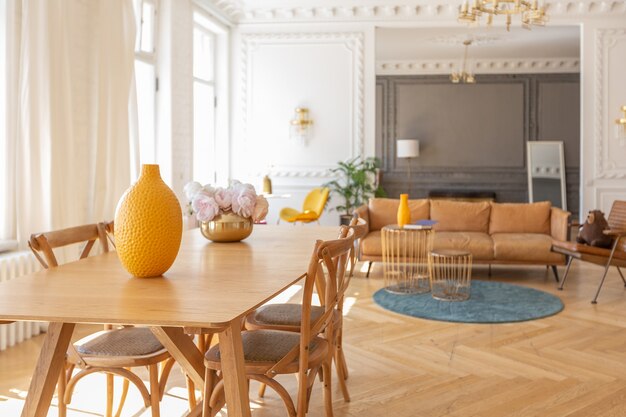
[236,12]
[480,66]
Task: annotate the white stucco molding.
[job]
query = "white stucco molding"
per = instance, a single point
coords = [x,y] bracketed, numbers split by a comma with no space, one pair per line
[480,66]
[606,168]
[415,11]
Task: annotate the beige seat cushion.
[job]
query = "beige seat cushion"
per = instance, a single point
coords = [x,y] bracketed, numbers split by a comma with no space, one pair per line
[460,216]
[520,218]
[129,341]
[283,314]
[372,244]
[264,345]
[384,211]
[525,247]
[478,244]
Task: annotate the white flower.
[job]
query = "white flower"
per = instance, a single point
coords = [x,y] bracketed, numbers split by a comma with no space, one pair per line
[191,189]
[260,209]
[205,206]
[244,202]
[224,197]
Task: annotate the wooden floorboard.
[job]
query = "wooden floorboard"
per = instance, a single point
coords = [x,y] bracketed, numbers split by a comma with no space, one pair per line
[572,364]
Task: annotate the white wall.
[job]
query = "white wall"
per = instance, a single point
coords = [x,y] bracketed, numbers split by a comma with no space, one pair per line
[281,65]
[327,70]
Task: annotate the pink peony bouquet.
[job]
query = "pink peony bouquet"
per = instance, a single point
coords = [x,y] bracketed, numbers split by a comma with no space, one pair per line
[207,201]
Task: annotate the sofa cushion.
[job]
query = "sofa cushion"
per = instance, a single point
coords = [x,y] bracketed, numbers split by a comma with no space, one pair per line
[384,211]
[525,247]
[520,218]
[460,216]
[372,245]
[478,244]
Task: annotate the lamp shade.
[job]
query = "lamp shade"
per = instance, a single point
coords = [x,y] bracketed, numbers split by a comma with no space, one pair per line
[407,148]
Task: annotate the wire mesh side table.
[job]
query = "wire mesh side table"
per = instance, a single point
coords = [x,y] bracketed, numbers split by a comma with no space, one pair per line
[405,259]
[450,274]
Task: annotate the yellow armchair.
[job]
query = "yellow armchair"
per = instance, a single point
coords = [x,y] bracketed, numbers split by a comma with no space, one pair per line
[312,208]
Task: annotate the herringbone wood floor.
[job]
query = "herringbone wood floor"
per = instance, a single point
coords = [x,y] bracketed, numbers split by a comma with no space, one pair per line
[572,364]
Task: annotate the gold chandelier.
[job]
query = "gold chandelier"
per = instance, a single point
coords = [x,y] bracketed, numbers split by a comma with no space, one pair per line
[530,11]
[464,75]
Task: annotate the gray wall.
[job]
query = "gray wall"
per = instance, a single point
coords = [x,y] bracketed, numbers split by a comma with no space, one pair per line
[473,137]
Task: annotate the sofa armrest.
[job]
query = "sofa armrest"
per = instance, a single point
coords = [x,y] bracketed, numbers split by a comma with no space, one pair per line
[364,214]
[559,224]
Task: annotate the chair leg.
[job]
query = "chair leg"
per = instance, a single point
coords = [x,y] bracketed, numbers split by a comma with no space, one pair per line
[341,376]
[328,399]
[154,390]
[606,270]
[191,393]
[262,387]
[209,384]
[125,385]
[556,273]
[110,392]
[569,265]
[621,275]
[369,268]
[61,391]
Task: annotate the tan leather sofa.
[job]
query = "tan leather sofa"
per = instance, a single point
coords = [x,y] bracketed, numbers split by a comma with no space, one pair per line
[495,233]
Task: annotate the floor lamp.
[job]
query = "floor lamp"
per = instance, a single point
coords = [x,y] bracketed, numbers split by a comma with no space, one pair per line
[408,148]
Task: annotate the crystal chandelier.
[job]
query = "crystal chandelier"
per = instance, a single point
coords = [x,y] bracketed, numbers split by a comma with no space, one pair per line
[464,74]
[531,13]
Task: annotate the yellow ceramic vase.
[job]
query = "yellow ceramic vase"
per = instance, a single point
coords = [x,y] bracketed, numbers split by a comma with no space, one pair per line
[148,225]
[404,213]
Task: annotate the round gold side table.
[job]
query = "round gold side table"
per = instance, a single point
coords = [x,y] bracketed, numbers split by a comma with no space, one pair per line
[405,259]
[450,274]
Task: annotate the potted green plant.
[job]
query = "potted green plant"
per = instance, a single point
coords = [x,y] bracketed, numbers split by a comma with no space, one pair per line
[355,184]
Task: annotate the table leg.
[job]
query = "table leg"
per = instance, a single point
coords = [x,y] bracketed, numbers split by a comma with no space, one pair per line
[235,381]
[49,365]
[182,348]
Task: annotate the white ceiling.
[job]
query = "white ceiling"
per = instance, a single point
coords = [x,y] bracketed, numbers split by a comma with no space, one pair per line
[489,43]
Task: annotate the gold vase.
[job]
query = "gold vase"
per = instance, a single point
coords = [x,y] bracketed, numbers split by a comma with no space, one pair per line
[227,227]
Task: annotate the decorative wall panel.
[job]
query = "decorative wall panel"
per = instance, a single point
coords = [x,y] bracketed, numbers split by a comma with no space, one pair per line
[473,137]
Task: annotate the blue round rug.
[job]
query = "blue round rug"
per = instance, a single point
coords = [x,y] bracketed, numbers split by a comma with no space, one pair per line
[490,302]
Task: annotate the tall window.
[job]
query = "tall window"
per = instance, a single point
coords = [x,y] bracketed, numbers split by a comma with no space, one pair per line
[145,77]
[6,199]
[204,100]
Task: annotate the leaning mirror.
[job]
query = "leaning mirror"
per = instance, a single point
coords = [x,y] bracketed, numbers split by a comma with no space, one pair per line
[546,173]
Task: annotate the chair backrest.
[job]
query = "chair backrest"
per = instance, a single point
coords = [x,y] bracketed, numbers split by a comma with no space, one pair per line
[316,200]
[617,216]
[44,243]
[329,260]
[359,226]
[617,221]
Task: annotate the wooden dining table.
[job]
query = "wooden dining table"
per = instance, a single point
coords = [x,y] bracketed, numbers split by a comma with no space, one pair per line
[210,285]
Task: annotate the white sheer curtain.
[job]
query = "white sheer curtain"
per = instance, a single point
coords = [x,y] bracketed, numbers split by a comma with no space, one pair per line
[73,148]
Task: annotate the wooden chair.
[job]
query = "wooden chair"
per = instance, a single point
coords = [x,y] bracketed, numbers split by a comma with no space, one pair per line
[615,256]
[287,316]
[271,352]
[112,351]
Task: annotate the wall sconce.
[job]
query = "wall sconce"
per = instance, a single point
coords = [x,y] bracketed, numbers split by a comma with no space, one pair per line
[620,127]
[301,127]
[408,148]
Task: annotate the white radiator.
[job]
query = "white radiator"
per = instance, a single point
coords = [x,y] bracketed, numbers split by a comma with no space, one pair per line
[12,266]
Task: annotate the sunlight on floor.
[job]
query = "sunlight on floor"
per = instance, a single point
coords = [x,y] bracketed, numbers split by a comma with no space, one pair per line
[89,399]
[348,302]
